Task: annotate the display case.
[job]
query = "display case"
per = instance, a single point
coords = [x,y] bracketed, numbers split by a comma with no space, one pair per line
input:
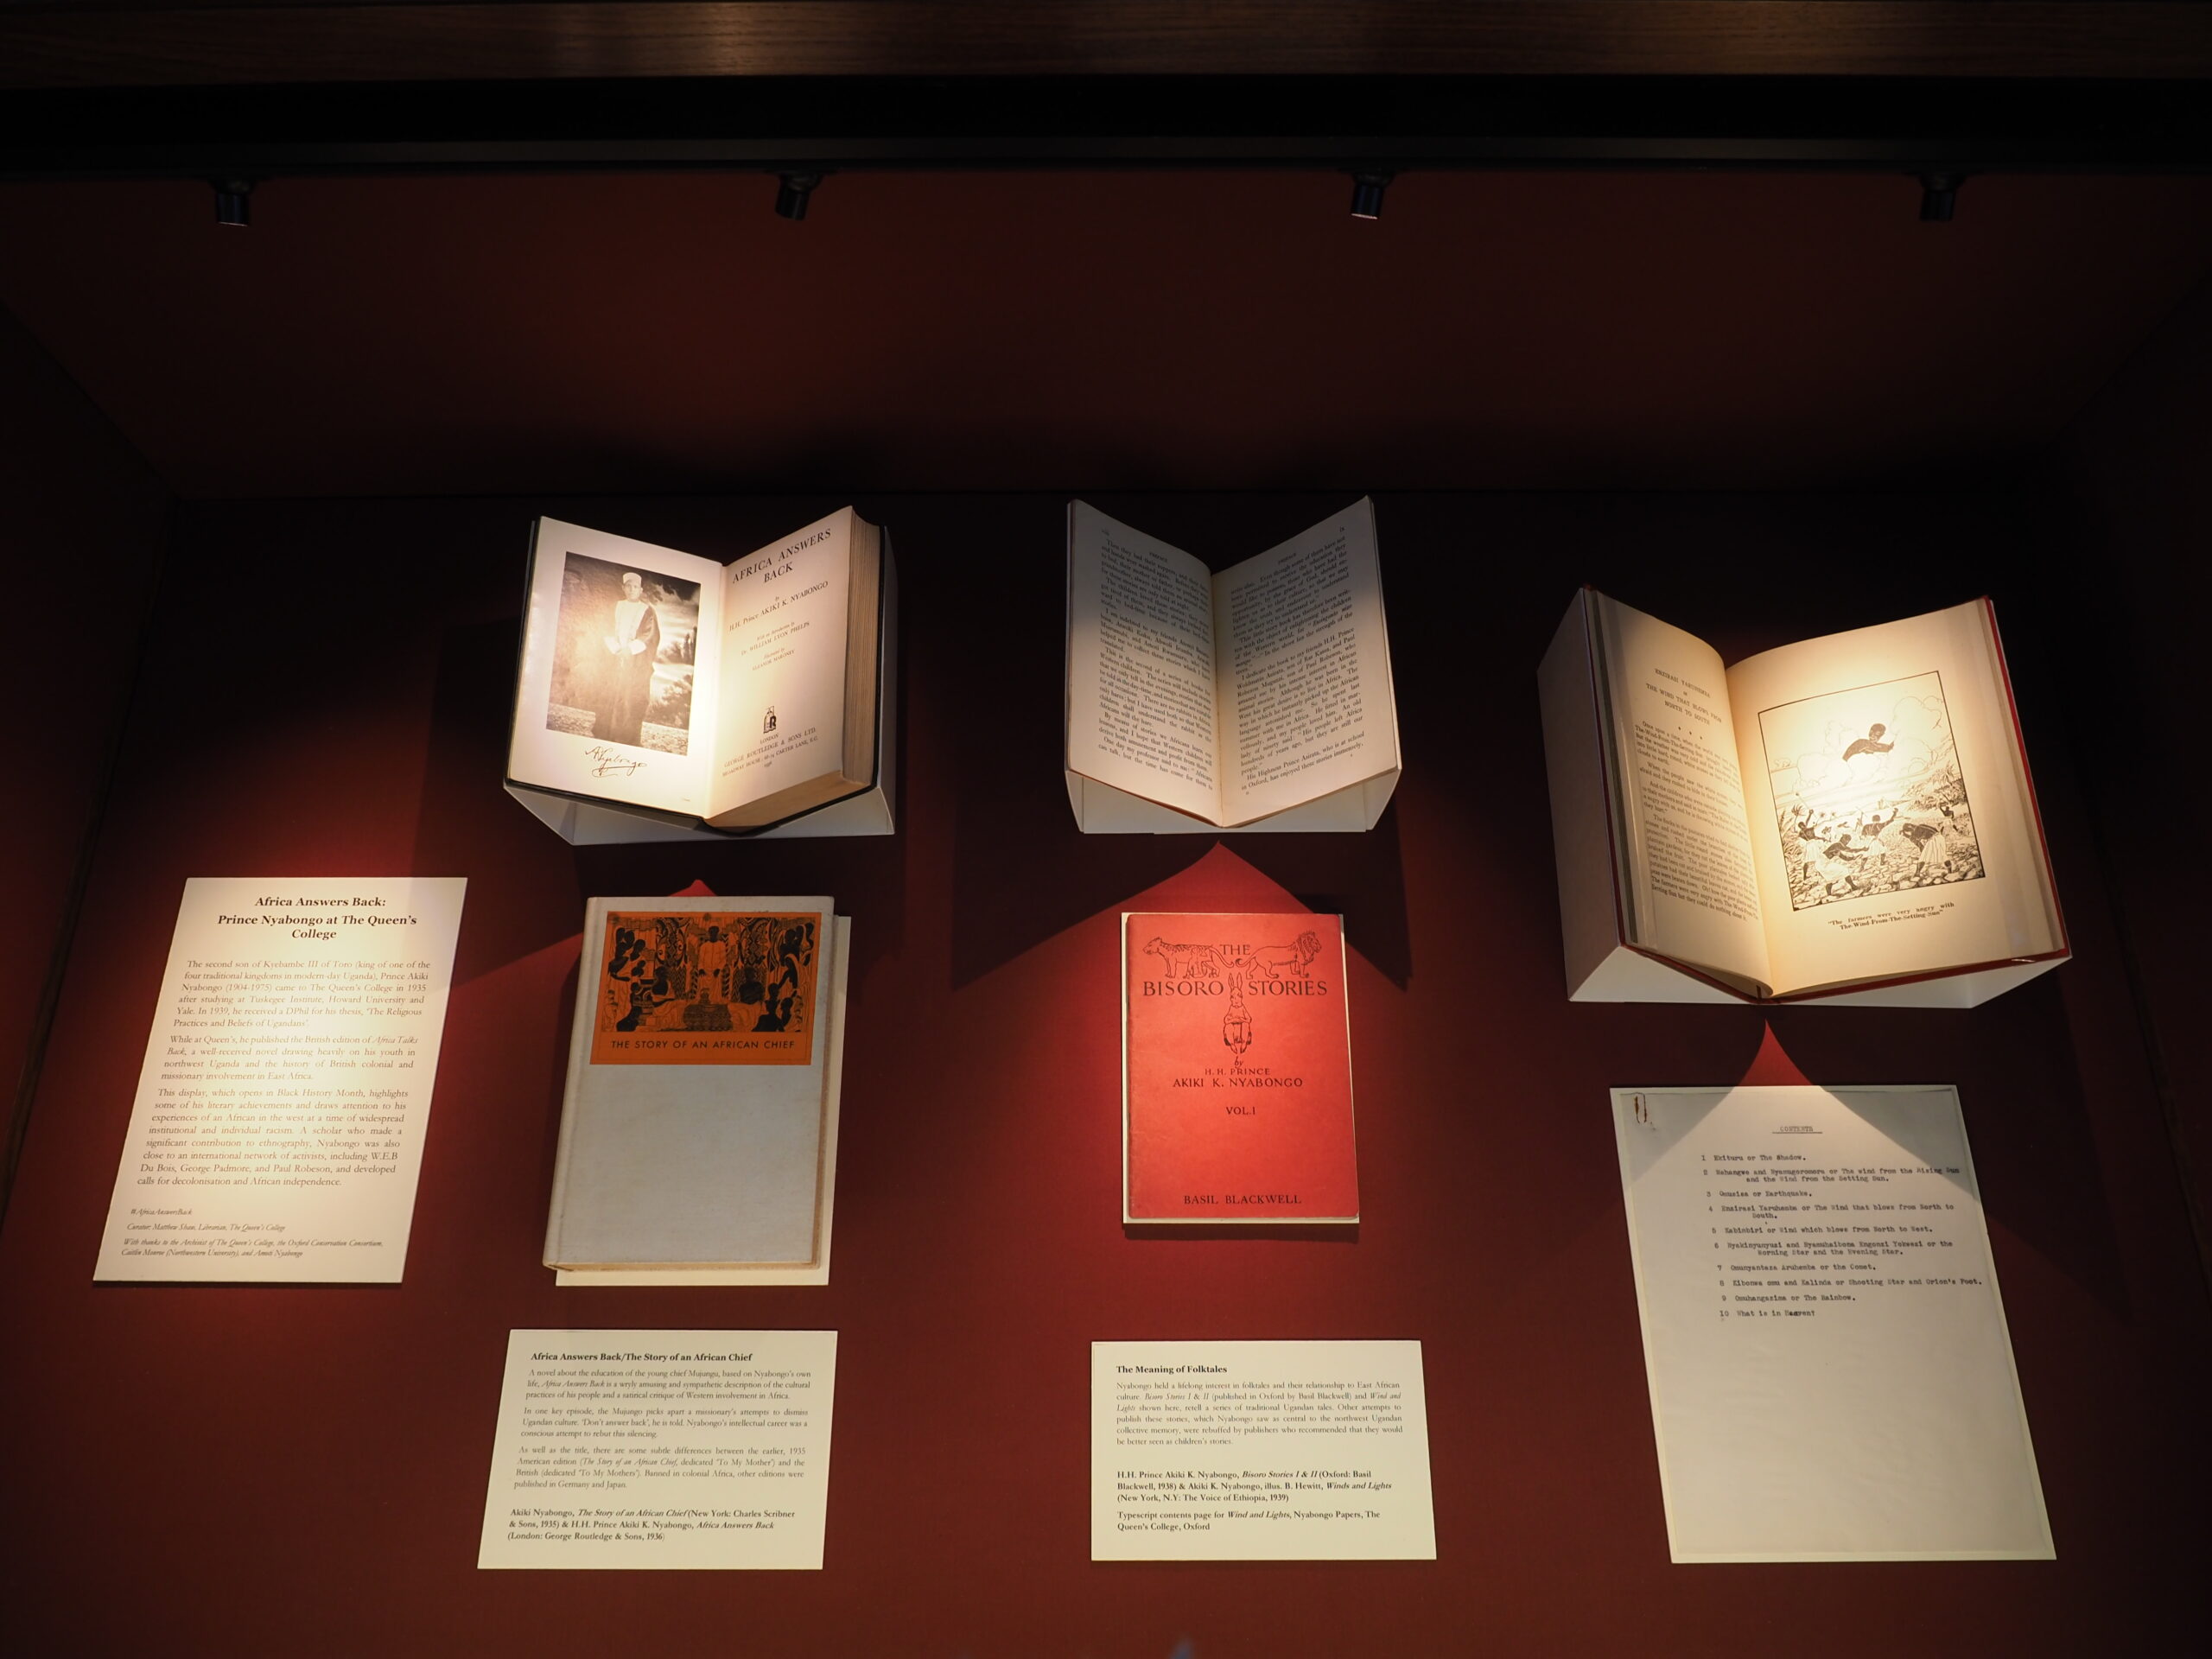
[1774,319]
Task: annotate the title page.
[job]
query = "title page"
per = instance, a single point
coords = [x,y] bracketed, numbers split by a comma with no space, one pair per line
[782,714]
[1831,1377]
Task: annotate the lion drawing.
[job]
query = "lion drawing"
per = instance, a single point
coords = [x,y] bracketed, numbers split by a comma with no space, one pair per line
[1275,960]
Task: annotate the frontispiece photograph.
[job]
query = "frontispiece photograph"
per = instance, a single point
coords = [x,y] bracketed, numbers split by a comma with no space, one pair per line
[622,669]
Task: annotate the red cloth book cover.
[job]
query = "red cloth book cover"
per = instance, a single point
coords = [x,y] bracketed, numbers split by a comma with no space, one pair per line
[1235,1070]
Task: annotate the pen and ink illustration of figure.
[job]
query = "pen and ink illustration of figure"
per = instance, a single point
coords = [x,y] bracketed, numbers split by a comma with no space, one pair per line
[1801,845]
[1240,965]
[749,948]
[794,949]
[1870,744]
[768,957]
[1928,837]
[629,951]
[635,984]
[1868,794]
[1236,1023]
[714,966]
[701,972]
[1840,863]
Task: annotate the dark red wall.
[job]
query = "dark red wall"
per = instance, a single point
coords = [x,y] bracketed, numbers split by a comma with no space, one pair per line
[80,529]
[1054,330]
[245,1471]
[2138,579]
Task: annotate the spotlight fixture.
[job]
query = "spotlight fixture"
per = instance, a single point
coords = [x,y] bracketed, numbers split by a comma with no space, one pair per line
[1939,196]
[1367,190]
[233,201]
[791,190]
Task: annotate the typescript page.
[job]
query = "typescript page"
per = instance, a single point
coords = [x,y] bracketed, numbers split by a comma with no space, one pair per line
[668,1449]
[1831,1377]
[616,692]
[781,717]
[1140,666]
[1259,1451]
[1693,889]
[1306,705]
[1888,809]
[278,1126]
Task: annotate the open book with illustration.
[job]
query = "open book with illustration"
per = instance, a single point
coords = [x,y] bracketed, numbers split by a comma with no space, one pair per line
[665,696]
[1259,698]
[1848,817]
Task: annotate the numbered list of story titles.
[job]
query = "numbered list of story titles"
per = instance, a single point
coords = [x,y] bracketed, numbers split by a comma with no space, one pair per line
[1831,1376]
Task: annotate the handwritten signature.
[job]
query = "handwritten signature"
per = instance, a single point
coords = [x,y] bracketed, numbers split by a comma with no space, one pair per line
[606,763]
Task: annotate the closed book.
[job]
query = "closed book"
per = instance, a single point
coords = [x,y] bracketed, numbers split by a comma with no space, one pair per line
[1236,1099]
[692,1127]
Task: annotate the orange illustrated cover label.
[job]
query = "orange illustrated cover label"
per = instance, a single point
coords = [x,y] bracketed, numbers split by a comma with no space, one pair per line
[1238,1069]
[706,988]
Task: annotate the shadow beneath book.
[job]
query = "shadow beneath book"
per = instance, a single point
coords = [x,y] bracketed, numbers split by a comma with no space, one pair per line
[1021,872]
[522,893]
[865,875]
[562,1038]
[1020,878]
[1361,878]
[2028,1123]
[1312,1233]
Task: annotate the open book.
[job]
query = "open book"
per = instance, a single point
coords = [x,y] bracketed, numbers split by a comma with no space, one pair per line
[1256,699]
[1849,819]
[664,696]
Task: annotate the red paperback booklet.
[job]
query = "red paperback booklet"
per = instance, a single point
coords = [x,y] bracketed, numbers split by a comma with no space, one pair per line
[1235,1070]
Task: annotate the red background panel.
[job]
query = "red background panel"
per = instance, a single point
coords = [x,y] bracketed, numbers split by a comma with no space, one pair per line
[251,1471]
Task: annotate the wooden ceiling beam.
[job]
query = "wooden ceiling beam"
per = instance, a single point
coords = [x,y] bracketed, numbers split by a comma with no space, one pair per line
[122,44]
